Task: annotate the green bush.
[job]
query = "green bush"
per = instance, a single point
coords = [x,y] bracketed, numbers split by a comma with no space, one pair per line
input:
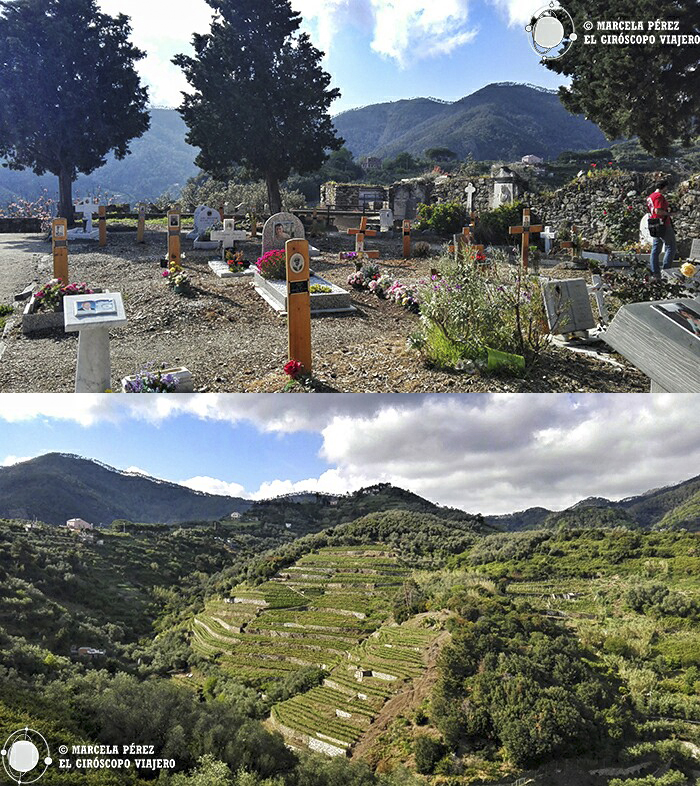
[466,311]
[493,226]
[428,753]
[447,218]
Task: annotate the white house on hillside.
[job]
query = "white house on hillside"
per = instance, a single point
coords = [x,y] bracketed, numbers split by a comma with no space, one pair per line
[78,525]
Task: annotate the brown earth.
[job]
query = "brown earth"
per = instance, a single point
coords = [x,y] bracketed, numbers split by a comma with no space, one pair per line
[232,341]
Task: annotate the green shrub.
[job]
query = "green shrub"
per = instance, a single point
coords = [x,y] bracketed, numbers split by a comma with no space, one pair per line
[493,225]
[428,753]
[447,218]
[467,311]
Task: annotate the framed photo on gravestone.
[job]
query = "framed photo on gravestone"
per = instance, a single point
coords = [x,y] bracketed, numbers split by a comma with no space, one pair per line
[684,315]
[174,220]
[279,229]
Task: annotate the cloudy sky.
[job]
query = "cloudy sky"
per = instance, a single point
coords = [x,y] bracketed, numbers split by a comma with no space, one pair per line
[377,50]
[487,454]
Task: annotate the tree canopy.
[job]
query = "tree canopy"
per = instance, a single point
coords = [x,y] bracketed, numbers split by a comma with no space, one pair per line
[69,92]
[650,91]
[260,97]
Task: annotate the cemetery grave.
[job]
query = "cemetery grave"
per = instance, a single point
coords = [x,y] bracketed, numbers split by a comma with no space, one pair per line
[230,339]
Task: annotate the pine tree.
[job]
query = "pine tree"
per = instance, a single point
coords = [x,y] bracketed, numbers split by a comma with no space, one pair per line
[260,97]
[69,92]
[650,91]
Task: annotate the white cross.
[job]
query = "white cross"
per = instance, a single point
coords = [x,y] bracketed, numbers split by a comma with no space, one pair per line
[548,236]
[229,235]
[470,190]
[87,207]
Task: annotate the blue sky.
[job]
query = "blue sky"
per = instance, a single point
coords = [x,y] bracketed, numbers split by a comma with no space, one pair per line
[377,50]
[482,453]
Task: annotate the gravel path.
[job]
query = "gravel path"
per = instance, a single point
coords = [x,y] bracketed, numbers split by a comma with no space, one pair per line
[232,341]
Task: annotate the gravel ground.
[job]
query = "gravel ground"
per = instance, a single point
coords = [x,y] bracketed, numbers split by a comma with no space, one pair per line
[232,341]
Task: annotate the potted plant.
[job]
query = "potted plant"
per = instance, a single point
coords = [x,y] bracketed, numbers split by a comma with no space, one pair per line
[169,380]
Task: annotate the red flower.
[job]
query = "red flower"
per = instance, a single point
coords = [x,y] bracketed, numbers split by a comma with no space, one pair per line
[294,369]
[594,165]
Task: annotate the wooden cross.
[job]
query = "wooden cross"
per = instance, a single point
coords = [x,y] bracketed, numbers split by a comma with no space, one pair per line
[299,302]
[527,229]
[569,244]
[461,242]
[253,226]
[59,243]
[222,213]
[102,214]
[360,235]
[142,224]
[174,237]
[406,239]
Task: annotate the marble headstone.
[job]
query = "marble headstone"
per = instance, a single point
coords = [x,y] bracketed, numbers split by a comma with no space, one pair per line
[279,229]
[568,306]
[204,218]
[644,237]
[695,251]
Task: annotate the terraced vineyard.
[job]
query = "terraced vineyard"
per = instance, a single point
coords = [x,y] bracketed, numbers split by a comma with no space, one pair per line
[332,718]
[313,613]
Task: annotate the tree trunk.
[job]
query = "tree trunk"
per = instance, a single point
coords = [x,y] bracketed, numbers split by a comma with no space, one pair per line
[273,194]
[65,199]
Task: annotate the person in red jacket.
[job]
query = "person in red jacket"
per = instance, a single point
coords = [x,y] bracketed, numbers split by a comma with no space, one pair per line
[659,208]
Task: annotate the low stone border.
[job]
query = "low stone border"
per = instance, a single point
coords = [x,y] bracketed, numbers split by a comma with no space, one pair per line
[222,270]
[275,293]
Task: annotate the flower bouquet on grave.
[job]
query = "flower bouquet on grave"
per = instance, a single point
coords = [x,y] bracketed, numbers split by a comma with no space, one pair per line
[273,265]
[50,296]
[357,280]
[147,381]
[381,286]
[299,379]
[235,261]
[177,278]
[352,256]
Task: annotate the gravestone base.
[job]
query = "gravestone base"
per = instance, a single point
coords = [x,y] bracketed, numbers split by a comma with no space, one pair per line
[205,245]
[34,321]
[78,236]
[222,270]
[275,293]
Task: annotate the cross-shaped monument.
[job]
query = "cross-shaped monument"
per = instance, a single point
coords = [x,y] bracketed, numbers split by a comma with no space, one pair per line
[87,207]
[470,190]
[229,235]
[360,235]
[527,229]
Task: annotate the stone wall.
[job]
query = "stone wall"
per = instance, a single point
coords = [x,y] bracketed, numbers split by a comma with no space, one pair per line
[351,196]
[582,203]
[20,226]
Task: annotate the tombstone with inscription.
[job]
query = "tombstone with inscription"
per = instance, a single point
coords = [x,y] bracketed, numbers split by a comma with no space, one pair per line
[505,187]
[228,237]
[386,219]
[87,207]
[204,219]
[279,229]
[568,306]
[663,341]
[92,317]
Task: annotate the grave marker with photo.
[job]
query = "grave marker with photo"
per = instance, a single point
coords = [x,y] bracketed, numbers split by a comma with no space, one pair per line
[59,246]
[279,229]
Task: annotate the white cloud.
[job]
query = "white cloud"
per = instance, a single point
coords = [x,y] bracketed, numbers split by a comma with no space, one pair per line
[214,486]
[519,12]
[398,29]
[483,453]
[10,461]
